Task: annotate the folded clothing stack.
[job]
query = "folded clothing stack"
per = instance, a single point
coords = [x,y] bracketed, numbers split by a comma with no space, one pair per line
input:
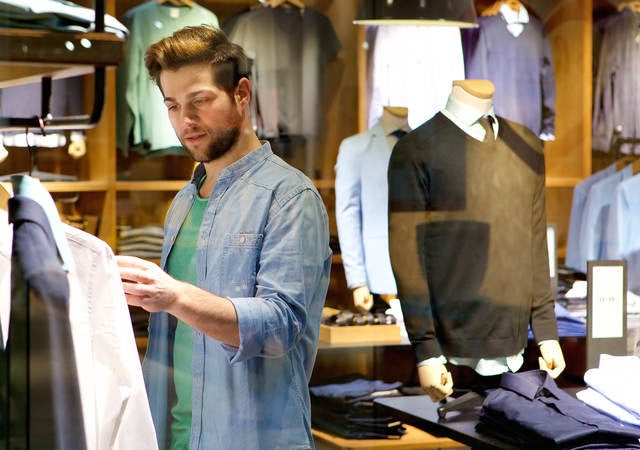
[346,318]
[346,409]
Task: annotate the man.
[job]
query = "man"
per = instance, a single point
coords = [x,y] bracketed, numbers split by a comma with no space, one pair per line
[246,248]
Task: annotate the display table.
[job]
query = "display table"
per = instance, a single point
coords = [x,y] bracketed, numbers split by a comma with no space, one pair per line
[421,412]
[413,439]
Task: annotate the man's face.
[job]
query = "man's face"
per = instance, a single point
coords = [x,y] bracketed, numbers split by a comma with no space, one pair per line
[206,119]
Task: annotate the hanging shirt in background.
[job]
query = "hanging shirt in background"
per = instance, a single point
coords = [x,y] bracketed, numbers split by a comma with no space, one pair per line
[617,86]
[520,67]
[595,217]
[622,236]
[290,49]
[580,192]
[413,66]
[142,121]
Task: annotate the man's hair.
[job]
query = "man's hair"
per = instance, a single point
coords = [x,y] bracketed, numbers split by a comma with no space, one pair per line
[195,45]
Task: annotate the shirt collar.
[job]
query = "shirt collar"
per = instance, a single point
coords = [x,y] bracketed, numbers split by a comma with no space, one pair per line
[388,128]
[511,16]
[464,114]
[238,168]
[529,384]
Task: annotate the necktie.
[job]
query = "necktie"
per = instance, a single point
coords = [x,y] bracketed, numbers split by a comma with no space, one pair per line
[487,124]
[398,133]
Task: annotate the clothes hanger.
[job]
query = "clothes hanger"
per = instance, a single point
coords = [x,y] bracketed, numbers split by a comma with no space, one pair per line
[188,3]
[275,3]
[624,162]
[633,5]
[495,8]
[398,111]
[635,168]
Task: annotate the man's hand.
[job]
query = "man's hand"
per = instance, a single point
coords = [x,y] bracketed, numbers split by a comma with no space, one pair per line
[362,298]
[436,381]
[147,285]
[552,359]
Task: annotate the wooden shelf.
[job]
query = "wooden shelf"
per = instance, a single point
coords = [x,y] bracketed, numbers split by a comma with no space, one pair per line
[151,185]
[28,55]
[563,181]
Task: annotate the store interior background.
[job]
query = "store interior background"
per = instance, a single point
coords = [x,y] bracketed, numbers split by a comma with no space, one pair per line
[135,190]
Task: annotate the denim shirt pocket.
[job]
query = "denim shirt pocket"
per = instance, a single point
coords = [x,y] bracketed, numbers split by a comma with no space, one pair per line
[240,262]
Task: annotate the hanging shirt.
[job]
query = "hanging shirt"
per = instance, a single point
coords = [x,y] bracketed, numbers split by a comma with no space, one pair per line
[290,50]
[115,408]
[142,121]
[595,217]
[580,192]
[412,66]
[617,86]
[520,67]
[622,238]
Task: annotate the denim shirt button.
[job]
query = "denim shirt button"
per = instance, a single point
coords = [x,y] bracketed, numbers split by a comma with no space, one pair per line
[242,239]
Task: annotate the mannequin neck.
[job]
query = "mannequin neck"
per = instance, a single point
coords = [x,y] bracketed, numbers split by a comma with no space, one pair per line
[477,94]
[394,118]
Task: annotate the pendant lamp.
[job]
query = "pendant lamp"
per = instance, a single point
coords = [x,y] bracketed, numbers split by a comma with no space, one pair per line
[453,13]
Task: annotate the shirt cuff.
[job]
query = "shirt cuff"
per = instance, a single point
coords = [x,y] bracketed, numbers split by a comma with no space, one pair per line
[433,361]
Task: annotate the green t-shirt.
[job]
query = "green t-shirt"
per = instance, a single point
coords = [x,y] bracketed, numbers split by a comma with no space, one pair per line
[181,265]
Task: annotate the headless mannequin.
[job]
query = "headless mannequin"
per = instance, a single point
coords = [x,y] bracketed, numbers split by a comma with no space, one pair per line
[4,197]
[393,118]
[495,8]
[434,377]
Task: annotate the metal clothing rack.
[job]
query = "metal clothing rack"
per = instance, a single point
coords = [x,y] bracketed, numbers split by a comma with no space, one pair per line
[617,141]
[27,53]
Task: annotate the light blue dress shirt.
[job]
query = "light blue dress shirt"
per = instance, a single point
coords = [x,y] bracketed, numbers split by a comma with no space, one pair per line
[580,191]
[623,238]
[596,217]
[264,244]
[362,210]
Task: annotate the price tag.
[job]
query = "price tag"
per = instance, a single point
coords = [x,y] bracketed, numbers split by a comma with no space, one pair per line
[606,310]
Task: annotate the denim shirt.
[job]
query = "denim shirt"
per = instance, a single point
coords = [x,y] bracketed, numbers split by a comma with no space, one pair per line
[263,244]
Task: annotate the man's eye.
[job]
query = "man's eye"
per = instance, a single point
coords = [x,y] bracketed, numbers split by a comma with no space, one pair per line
[172,107]
[199,101]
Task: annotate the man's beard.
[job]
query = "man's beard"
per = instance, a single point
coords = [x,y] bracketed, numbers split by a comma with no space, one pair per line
[221,143]
[222,140]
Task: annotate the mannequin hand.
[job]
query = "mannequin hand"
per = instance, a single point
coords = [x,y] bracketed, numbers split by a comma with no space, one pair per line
[552,359]
[436,381]
[362,298]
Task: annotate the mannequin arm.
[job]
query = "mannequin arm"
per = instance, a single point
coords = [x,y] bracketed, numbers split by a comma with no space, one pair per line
[362,298]
[552,359]
[436,381]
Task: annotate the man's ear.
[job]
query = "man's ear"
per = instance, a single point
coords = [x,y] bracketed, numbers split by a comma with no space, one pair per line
[243,91]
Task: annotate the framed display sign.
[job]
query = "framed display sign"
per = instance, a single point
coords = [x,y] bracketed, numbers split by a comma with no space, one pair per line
[606,309]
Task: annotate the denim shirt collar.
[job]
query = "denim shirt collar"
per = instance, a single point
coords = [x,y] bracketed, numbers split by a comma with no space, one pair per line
[236,169]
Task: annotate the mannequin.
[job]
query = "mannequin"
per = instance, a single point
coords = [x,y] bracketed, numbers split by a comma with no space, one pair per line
[361,208]
[495,8]
[453,219]
[393,118]
[633,5]
[475,93]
